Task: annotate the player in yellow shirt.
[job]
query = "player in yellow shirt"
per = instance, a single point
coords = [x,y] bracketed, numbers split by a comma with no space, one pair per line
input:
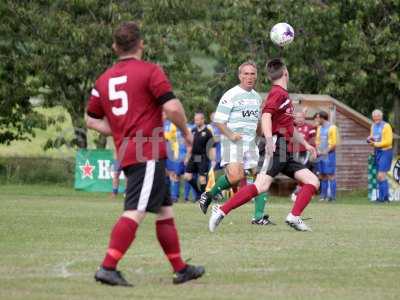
[326,142]
[176,155]
[381,138]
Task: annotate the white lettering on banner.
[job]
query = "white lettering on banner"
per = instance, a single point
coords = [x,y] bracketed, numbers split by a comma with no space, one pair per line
[104,169]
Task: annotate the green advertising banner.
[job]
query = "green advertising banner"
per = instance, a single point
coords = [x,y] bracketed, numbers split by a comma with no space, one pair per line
[93,171]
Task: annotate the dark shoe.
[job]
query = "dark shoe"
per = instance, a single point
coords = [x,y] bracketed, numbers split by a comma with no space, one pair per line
[263,221]
[205,201]
[111,277]
[189,273]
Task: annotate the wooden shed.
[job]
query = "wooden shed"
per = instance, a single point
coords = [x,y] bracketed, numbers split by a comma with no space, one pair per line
[352,152]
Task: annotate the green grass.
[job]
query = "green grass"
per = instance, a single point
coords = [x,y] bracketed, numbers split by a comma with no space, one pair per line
[53,238]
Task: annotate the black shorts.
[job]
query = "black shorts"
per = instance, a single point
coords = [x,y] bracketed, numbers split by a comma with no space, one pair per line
[147,189]
[282,161]
[198,164]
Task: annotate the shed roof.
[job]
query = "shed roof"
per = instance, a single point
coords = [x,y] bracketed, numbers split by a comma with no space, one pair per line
[340,106]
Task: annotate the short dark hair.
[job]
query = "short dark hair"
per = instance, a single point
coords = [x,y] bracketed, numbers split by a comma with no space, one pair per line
[275,68]
[199,113]
[323,115]
[127,36]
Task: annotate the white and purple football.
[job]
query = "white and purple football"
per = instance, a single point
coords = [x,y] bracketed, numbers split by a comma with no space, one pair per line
[282,34]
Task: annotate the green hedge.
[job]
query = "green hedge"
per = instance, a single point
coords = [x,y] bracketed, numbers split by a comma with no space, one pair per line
[32,170]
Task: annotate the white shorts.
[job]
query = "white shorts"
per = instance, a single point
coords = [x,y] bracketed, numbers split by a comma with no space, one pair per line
[240,152]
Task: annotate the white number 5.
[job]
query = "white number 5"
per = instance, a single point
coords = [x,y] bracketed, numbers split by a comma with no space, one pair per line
[113,94]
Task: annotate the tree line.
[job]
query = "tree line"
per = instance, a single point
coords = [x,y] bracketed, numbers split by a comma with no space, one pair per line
[54,50]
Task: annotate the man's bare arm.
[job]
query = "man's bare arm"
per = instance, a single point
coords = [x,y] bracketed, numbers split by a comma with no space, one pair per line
[227,132]
[100,125]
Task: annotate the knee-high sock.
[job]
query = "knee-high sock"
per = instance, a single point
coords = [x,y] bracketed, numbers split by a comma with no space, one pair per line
[324,188]
[193,183]
[383,190]
[303,198]
[332,188]
[259,205]
[122,236]
[186,191]
[203,187]
[386,189]
[221,184]
[174,188]
[167,235]
[243,196]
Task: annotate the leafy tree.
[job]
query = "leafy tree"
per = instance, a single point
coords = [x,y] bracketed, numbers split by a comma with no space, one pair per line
[17,119]
[348,49]
[71,46]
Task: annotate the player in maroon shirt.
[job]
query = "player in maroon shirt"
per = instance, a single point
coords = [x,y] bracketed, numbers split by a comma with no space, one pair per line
[278,128]
[126,102]
[300,153]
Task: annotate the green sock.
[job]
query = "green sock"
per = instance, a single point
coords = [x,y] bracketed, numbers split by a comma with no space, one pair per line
[221,184]
[259,205]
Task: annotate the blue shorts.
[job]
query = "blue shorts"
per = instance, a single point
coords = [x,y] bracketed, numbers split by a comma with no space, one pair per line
[327,164]
[383,160]
[176,166]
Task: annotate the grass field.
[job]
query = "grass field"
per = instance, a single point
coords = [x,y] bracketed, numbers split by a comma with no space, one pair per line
[53,238]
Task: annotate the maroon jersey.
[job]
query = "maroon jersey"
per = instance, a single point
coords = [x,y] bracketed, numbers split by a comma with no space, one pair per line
[280,106]
[308,132]
[130,95]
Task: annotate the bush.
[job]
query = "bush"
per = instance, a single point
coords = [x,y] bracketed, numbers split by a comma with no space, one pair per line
[32,170]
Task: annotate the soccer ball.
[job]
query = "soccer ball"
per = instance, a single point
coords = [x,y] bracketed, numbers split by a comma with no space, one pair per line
[282,34]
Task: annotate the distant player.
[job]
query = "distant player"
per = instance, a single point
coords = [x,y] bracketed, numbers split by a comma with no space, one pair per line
[326,142]
[126,102]
[115,174]
[278,128]
[203,149]
[237,117]
[176,150]
[381,138]
[187,188]
[300,153]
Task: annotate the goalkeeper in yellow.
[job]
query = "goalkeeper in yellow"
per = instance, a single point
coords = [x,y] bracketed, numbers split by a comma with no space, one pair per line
[237,117]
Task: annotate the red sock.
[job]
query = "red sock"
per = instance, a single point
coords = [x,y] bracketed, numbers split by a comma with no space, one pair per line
[243,196]
[168,237]
[303,198]
[122,237]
